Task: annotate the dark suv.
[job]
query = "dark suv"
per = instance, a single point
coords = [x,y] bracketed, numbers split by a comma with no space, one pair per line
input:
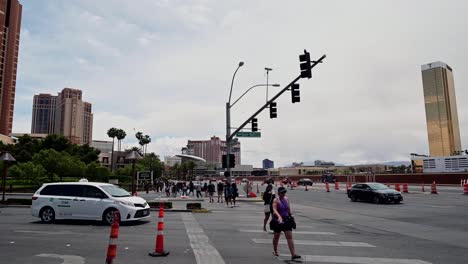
[375,192]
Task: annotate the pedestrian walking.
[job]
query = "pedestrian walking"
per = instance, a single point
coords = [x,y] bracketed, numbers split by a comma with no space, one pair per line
[191,187]
[220,191]
[268,197]
[205,189]
[235,193]
[174,189]
[282,222]
[167,189]
[184,189]
[228,194]
[211,191]
[198,189]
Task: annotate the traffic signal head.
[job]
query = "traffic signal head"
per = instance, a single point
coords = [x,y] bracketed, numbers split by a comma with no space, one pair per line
[306,70]
[254,125]
[295,93]
[273,110]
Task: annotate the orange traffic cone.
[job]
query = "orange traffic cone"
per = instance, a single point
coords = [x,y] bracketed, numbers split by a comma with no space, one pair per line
[159,249]
[348,186]
[433,188]
[405,187]
[327,186]
[337,185]
[397,186]
[114,234]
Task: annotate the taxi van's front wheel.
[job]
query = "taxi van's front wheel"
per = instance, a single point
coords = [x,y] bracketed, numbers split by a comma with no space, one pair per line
[108,216]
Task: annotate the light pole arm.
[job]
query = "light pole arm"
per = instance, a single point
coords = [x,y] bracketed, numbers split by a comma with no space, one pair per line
[232,82]
[247,92]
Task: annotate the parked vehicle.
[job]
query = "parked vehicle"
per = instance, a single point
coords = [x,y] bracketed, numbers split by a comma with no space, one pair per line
[305,181]
[86,201]
[245,180]
[375,192]
[286,180]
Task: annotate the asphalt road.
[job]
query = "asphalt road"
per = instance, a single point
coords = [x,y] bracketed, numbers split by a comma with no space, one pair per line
[424,229]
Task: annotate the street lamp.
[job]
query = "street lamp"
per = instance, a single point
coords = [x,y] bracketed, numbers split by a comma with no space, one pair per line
[228,125]
[6,158]
[133,156]
[228,121]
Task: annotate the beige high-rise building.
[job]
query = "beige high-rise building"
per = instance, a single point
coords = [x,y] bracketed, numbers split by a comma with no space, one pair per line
[66,114]
[441,109]
[74,119]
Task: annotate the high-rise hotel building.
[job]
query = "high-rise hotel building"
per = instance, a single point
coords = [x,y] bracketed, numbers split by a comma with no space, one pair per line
[10,23]
[441,109]
[66,114]
[212,150]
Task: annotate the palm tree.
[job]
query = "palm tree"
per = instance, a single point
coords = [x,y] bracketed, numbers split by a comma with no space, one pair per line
[112,132]
[146,141]
[120,135]
[191,166]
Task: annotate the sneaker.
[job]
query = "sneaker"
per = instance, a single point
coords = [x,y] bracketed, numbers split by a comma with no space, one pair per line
[295,257]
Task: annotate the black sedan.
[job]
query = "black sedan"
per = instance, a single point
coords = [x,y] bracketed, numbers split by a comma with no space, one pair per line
[305,181]
[374,192]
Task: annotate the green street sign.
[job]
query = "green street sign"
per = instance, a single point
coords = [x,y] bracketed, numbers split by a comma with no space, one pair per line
[249,134]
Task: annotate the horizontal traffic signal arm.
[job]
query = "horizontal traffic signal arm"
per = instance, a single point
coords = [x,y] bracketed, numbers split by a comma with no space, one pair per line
[314,63]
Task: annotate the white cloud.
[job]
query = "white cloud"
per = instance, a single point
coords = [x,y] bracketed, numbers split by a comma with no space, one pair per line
[165,67]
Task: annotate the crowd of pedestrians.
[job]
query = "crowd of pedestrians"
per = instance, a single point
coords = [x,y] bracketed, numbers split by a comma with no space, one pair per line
[226,193]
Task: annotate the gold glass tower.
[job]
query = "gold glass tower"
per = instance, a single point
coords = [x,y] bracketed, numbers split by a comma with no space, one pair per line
[441,109]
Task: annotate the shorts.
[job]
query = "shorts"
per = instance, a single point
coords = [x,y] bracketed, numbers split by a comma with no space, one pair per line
[278,228]
[220,194]
[211,194]
[267,208]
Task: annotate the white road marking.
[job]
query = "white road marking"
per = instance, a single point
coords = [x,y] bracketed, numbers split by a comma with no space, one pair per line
[67,259]
[355,260]
[316,243]
[294,232]
[45,232]
[204,251]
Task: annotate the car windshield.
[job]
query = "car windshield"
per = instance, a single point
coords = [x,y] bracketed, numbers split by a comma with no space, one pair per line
[115,191]
[377,186]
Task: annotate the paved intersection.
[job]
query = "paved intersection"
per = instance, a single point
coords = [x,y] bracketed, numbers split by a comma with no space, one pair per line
[330,230]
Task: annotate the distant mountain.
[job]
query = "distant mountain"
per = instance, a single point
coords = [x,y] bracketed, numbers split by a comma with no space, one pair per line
[397,163]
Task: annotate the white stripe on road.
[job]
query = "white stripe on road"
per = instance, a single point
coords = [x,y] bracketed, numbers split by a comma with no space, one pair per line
[204,252]
[316,243]
[355,260]
[294,232]
[45,232]
[67,259]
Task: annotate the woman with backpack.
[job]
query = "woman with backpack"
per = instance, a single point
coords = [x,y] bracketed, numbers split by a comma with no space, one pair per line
[228,194]
[235,193]
[268,197]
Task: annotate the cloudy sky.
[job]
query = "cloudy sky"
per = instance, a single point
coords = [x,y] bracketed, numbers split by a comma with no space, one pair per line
[164,67]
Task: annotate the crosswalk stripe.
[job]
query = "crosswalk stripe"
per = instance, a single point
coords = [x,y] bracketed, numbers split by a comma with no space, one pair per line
[202,248]
[354,260]
[295,232]
[316,243]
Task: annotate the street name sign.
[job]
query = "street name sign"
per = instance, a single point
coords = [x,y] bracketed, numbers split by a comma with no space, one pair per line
[248,134]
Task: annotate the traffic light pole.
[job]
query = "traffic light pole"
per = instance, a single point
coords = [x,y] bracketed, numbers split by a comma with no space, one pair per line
[228,141]
[230,136]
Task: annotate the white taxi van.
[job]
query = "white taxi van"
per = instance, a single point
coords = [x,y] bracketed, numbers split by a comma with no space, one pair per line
[86,201]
